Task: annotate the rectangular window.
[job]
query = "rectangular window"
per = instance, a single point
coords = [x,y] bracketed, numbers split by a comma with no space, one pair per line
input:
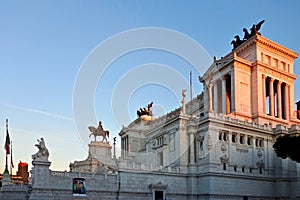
[160,159]
[276,62]
[201,145]
[220,135]
[171,142]
[225,136]
[242,139]
[224,166]
[283,66]
[268,59]
[249,140]
[233,138]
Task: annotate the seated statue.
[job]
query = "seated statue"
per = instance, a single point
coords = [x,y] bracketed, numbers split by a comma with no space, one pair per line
[43,152]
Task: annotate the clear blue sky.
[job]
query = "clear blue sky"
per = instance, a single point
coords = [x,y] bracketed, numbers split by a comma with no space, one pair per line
[44,43]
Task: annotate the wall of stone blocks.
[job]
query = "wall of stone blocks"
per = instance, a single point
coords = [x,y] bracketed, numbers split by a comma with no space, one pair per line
[15,192]
[140,182]
[254,187]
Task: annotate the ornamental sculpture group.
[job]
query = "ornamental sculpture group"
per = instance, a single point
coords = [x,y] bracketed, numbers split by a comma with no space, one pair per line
[145,111]
[253,31]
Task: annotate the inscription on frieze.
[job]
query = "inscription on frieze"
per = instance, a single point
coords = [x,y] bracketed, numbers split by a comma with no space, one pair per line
[242,150]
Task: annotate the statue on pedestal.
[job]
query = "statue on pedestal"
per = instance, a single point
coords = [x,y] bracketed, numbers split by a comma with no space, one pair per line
[43,152]
[183,93]
[99,132]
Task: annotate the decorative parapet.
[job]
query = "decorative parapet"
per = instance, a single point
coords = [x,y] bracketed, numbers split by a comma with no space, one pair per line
[79,174]
[295,129]
[225,118]
[138,166]
[280,129]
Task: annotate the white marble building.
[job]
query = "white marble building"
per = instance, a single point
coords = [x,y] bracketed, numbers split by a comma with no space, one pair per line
[223,140]
[218,146]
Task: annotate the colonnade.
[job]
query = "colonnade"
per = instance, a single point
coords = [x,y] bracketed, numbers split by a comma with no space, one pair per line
[221,94]
[125,146]
[275,97]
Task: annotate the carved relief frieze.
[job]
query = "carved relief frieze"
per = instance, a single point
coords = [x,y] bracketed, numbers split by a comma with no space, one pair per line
[224,159]
[276,75]
[259,153]
[260,163]
[242,150]
[223,147]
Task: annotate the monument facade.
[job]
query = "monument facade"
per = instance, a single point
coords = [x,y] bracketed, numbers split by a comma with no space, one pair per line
[217,146]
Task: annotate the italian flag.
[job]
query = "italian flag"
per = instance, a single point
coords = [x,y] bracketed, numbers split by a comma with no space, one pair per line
[7,140]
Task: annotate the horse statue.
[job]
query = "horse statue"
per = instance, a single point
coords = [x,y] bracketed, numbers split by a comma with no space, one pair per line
[99,132]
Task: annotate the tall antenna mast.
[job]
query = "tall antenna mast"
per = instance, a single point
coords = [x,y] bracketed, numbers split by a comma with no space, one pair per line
[191,95]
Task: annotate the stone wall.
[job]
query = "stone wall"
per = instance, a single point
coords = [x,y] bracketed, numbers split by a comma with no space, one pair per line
[15,192]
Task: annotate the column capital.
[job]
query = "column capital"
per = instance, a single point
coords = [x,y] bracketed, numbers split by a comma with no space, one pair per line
[264,76]
[279,82]
[272,79]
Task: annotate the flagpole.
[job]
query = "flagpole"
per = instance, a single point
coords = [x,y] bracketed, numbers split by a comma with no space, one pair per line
[10,158]
[191,94]
[6,166]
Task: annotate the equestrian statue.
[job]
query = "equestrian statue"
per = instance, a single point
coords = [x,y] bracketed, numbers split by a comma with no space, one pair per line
[99,132]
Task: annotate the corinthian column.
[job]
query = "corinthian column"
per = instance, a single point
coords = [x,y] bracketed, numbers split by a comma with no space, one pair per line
[223,96]
[279,109]
[286,102]
[264,93]
[216,97]
[271,95]
[210,85]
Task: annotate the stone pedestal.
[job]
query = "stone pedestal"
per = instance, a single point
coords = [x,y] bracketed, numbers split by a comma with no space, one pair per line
[99,160]
[6,178]
[102,152]
[40,180]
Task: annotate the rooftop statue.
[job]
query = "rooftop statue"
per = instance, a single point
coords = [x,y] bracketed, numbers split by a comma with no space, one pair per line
[255,28]
[145,111]
[99,132]
[253,31]
[183,93]
[246,34]
[43,152]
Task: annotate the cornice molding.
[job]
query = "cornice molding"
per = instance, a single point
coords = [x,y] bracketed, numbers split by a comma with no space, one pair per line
[268,43]
[277,47]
